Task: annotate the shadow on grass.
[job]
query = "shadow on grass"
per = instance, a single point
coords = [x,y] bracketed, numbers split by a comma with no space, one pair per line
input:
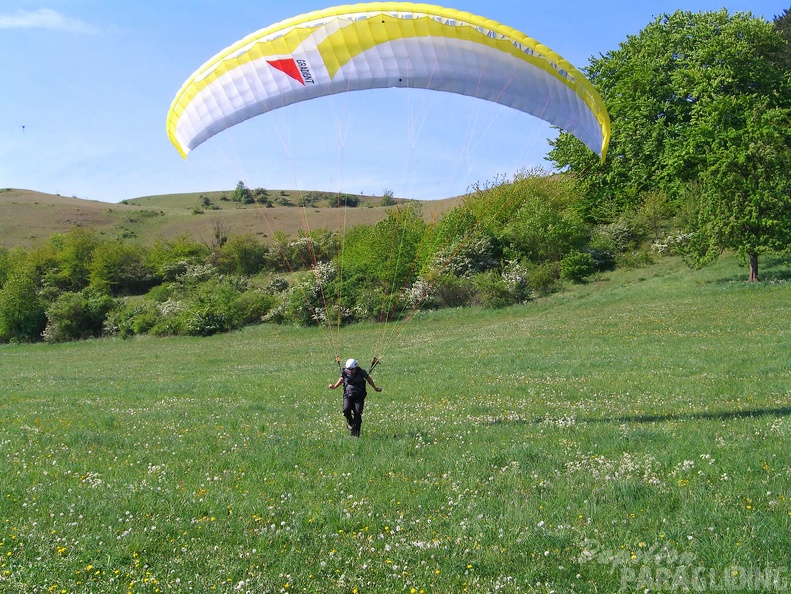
[782,411]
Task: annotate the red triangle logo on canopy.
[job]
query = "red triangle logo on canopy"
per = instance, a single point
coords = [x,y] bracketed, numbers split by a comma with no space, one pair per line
[289,67]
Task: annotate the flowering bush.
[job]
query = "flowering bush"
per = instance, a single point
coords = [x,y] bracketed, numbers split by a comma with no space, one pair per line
[420,294]
[466,258]
[517,280]
[672,245]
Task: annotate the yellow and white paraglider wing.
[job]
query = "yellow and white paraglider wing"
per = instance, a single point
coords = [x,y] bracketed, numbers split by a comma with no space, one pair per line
[385,44]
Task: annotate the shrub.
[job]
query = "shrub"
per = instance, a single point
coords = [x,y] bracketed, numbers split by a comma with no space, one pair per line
[603,249]
[241,254]
[453,291]
[75,256]
[302,303]
[466,258]
[517,280]
[577,266]
[626,232]
[121,269]
[205,322]
[501,289]
[77,315]
[251,307]
[493,292]
[543,277]
[421,294]
[277,285]
[169,258]
[634,259]
[132,318]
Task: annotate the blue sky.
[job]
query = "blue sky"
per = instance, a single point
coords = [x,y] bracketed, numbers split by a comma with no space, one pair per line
[86,86]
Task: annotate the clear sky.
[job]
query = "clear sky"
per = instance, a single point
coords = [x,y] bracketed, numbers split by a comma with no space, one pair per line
[85,87]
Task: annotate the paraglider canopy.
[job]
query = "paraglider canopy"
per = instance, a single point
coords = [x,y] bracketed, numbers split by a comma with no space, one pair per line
[381,45]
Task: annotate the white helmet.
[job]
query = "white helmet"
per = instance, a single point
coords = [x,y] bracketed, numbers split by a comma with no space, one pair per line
[351,363]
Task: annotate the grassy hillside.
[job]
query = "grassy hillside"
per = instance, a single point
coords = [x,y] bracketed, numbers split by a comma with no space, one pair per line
[618,436]
[28,217]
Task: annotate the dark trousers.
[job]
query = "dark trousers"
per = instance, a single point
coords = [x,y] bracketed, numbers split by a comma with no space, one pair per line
[353,411]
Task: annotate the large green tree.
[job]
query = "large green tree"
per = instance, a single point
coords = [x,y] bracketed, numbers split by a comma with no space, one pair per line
[688,98]
[744,193]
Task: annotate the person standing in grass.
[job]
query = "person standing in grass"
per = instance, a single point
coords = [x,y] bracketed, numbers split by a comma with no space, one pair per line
[353,377]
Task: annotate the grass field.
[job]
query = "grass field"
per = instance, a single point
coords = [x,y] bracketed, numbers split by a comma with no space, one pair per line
[631,434]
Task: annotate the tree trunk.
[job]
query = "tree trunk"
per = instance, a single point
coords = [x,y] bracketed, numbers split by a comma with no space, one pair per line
[753,267]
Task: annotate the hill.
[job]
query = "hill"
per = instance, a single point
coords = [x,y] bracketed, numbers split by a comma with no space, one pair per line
[28,217]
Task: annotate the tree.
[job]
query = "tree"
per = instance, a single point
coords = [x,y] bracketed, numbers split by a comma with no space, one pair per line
[242,194]
[75,256]
[120,269]
[22,315]
[654,210]
[743,203]
[387,198]
[660,87]
[783,25]
[73,316]
[378,261]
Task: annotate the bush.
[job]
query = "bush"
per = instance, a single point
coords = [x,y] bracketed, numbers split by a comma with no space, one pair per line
[544,277]
[302,303]
[251,307]
[277,285]
[634,260]
[77,315]
[501,289]
[517,280]
[466,258]
[577,266]
[121,269]
[132,318]
[603,249]
[241,254]
[205,322]
[453,291]
[169,258]
[626,232]
[492,290]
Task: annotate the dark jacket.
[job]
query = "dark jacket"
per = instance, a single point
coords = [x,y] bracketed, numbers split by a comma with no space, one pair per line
[354,384]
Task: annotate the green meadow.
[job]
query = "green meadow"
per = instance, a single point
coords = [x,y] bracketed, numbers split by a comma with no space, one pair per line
[630,434]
